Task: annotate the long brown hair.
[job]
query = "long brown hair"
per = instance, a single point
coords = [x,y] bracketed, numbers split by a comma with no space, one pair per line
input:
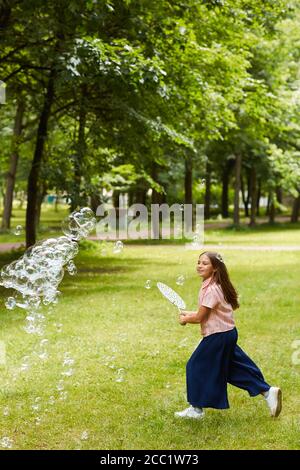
[221,276]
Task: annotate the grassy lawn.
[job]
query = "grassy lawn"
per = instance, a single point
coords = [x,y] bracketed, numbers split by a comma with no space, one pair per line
[263,234]
[50,225]
[130,355]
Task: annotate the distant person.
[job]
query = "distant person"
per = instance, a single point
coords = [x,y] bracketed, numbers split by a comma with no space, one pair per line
[218,359]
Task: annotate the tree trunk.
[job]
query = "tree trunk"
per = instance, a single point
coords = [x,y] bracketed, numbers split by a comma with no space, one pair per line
[271,209]
[237,187]
[115,199]
[56,201]
[33,180]
[268,204]
[155,197]
[95,202]
[41,195]
[140,196]
[258,198]
[253,187]
[225,185]
[207,197]
[245,200]
[77,199]
[295,210]
[279,194]
[14,158]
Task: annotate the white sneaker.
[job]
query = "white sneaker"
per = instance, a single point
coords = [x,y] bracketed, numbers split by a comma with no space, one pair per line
[274,401]
[190,412]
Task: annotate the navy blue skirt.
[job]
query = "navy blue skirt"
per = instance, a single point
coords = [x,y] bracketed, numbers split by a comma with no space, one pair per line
[216,361]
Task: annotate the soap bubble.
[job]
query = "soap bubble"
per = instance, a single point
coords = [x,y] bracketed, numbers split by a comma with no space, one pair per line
[6,442]
[59,327]
[25,364]
[10,303]
[18,230]
[118,247]
[36,405]
[71,268]
[183,343]
[60,386]
[84,436]
[68,361]
[180,280]
[68,373]
[120,375]
[148,284]
[51,400]
[43,356]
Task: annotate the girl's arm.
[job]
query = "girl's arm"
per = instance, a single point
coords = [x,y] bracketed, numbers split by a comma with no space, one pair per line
[193,317]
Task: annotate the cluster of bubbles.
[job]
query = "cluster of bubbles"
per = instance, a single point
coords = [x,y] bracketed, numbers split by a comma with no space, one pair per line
[106,248]
[38,273]
[36,277]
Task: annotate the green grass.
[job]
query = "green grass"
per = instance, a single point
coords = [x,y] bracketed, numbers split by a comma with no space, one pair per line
[264,234]
[50,225]
[110,321]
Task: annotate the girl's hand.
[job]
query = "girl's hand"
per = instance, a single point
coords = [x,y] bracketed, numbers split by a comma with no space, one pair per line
[181,318]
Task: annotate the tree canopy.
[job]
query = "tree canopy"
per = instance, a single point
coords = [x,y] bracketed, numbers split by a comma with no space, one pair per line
[134,95]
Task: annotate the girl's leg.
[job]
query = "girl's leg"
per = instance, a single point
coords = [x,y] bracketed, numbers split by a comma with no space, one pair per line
[245,374]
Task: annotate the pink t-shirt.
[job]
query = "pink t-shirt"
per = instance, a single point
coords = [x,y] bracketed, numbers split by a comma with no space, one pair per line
[220,317]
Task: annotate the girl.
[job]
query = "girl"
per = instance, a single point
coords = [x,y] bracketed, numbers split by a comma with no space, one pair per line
[218,359]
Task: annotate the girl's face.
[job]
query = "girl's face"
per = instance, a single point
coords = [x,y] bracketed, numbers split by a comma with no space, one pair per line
[204,267]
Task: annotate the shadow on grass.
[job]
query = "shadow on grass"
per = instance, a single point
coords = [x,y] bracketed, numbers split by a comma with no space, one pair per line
[90,268]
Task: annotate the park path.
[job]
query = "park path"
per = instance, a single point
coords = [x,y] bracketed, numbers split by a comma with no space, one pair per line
[10,246]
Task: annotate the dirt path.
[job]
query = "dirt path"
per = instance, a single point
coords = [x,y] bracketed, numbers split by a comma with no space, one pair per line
[10,246]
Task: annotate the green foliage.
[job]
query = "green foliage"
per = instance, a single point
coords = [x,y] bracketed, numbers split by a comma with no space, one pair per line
[140,83]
